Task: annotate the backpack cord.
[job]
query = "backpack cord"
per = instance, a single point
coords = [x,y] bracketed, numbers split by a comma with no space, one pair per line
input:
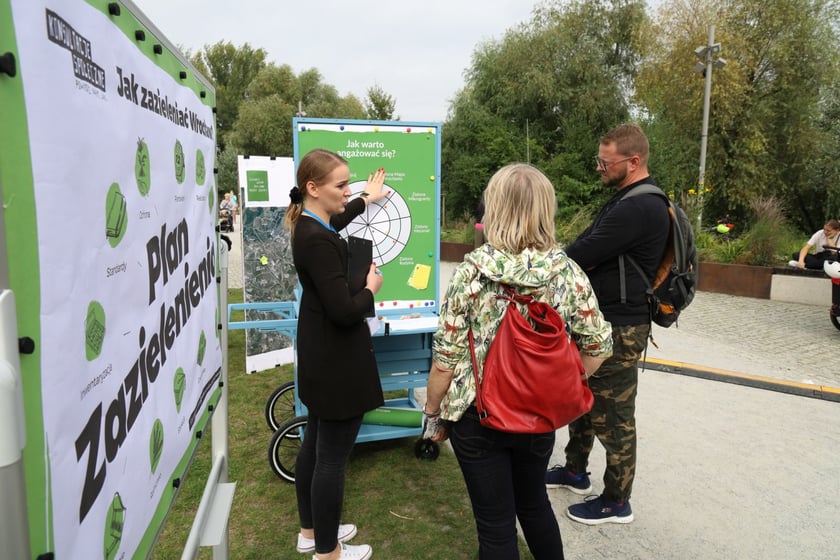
[651,302]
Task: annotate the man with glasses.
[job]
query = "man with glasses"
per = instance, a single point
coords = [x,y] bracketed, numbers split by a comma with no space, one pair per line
[828,235]
[637,226]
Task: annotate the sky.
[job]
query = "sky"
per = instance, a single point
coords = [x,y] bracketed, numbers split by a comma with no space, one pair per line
[415,50]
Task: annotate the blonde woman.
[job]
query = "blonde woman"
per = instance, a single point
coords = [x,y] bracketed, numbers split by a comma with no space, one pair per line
[504,471]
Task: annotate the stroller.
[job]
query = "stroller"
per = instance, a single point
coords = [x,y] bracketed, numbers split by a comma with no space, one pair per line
[225,220]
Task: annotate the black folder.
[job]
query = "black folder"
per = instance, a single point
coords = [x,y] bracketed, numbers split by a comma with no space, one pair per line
[360,255]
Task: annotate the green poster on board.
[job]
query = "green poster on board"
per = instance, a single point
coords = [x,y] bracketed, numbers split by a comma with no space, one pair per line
[257,185]
[404,227]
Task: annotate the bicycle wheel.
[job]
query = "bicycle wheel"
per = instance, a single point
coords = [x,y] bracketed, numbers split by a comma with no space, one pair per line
[280,406]
[285,446]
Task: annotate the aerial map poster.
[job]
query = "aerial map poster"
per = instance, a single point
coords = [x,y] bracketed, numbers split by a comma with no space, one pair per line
[404,227]
[268,273]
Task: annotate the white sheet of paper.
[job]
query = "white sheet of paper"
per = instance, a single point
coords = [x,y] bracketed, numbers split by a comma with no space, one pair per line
[374,325]
[421,323]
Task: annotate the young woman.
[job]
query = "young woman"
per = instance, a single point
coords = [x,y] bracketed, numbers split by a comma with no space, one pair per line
[504,471]
[828,235]
[337,378]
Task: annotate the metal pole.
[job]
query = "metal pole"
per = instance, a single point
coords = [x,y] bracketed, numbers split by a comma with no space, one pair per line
[701,182]
[527,141]
[220,415]
[14,516]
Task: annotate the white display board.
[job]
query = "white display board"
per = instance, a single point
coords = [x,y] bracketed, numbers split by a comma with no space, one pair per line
[268,274]
[116,212]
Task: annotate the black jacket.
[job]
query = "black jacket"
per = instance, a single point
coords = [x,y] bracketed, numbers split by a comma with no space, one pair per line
[637,227]
[337,377]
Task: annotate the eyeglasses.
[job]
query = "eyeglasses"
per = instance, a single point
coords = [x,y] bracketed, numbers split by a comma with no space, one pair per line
[603,165]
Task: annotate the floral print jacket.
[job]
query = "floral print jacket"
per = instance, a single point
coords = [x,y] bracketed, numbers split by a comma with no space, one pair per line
[549,276]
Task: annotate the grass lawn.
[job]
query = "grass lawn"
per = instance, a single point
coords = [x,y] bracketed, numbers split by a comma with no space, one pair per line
[405,508]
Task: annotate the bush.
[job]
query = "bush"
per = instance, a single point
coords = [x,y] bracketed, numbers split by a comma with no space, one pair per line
[768,239]
[567,229]
[460,230]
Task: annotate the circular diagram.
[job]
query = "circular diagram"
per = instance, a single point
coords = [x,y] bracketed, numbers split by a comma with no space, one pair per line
[386,223]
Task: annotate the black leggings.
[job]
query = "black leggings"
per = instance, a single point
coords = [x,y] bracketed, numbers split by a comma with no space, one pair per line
[319,477]
[814,261]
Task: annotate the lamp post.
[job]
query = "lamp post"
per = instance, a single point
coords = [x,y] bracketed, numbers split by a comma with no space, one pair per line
[527,141]
[707,55]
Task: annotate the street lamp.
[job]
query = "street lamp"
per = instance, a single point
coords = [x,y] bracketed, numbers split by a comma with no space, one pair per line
[707,55]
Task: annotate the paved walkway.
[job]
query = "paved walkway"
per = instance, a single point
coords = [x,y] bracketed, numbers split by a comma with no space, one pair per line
[725,471]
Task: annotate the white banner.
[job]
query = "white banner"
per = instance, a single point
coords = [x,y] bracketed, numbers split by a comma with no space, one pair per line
[123,157]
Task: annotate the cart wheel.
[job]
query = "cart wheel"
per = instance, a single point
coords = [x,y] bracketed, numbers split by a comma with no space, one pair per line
[285,446]
[426,449]
[280,406]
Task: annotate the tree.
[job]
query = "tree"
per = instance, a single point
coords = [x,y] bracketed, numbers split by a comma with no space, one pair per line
[230,69]
[764,132]
[379,106]
[275,96]
[549,88]
[228,176]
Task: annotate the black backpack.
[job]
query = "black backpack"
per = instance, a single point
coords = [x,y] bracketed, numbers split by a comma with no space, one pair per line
[673,288]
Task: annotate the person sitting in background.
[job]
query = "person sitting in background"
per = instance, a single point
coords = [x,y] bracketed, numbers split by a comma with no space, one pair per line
[828,235]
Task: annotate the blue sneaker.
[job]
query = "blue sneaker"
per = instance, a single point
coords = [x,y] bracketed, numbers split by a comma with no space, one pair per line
[599,510]
[561,477]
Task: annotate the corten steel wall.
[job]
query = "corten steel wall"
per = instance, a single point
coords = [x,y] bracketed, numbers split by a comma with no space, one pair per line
[735,279]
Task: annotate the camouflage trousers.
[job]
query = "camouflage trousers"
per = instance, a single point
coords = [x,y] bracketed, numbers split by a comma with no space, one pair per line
[613,416]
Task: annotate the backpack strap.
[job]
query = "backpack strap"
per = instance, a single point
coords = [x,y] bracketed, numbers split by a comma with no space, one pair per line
[645,188]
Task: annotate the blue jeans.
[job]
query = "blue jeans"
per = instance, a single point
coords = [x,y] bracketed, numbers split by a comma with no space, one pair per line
[319,477]
[505,478]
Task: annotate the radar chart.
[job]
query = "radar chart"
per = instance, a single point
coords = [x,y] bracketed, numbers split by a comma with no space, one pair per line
[387,223]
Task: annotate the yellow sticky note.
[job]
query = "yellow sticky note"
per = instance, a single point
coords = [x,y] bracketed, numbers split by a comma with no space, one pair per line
[419,279]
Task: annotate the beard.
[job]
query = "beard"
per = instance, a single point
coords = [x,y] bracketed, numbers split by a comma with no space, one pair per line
[614,180]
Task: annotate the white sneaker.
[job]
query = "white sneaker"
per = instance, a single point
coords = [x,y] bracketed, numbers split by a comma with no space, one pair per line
[353,552]
[345,533]
[794,264]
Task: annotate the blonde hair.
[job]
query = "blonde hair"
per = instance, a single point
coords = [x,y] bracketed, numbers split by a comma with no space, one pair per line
[519,209]
[315,166]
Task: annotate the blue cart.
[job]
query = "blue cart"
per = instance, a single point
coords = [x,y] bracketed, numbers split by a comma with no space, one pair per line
[403,356]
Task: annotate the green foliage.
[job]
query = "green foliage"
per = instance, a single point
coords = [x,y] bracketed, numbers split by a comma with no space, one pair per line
[231,70]
[767,235]
[773,109]
[256,100]
[543,94]
[571,224]
[460,230]
[767,238]
[379,106]
[275,97]
[475,144]
[228,177]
